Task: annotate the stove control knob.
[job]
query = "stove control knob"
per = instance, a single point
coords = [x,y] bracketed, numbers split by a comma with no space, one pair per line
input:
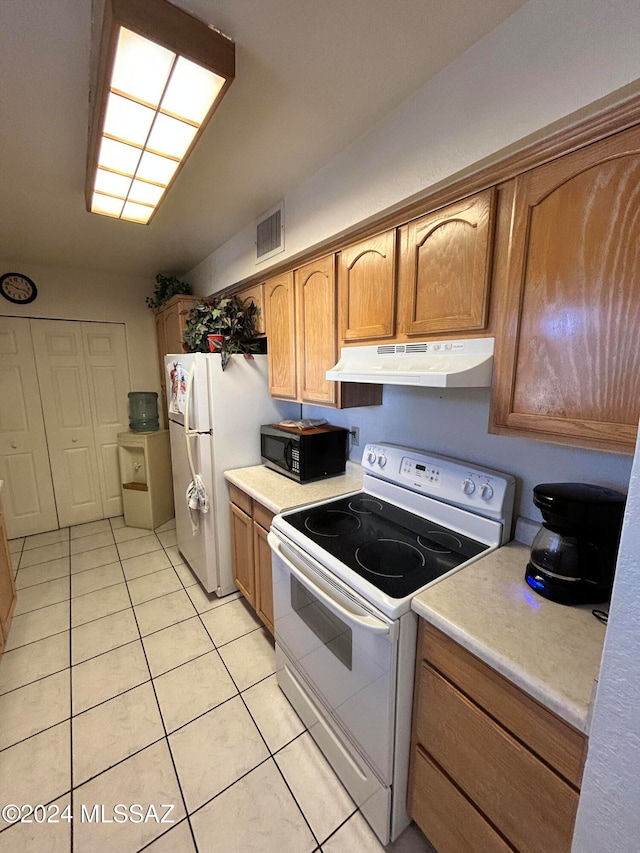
[382,460]
[371,457]
[486,492]
[468,486]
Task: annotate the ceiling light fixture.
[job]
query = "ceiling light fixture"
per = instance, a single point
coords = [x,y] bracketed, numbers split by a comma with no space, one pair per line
[161,74]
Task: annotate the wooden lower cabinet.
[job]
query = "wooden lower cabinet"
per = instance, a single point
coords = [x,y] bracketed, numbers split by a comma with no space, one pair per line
[7,584]
[491,769]
[250,552]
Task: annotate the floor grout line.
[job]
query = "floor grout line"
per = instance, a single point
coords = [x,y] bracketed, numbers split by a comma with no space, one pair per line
[164,727]
[200,615]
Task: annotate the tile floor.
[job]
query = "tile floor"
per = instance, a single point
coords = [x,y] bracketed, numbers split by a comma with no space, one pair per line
[124,683]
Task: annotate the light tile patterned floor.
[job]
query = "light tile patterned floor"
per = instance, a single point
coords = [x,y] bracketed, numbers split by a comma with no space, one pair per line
[124,683]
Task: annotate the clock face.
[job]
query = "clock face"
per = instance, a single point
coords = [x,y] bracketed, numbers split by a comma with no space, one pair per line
[17,288]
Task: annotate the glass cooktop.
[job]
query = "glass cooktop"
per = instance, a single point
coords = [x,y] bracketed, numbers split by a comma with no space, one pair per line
[395,550]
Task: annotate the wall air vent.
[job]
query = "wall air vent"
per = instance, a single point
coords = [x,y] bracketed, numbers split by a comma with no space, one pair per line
[270,233]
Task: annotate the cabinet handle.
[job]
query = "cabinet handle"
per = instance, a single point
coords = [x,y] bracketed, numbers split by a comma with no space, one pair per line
[14,444]
[74,439]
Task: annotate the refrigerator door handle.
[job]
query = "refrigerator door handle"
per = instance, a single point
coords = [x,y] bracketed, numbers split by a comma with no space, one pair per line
[188,432]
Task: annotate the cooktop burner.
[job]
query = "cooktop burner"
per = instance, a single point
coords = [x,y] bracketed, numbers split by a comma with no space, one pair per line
[395,550]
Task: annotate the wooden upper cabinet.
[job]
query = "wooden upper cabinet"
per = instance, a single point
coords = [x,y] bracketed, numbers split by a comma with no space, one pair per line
[279,308]
[445,268]
[568,362]
[170,323]
[255,294]
[315,289]
[367,287]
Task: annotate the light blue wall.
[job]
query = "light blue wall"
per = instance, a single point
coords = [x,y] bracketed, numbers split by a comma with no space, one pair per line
[454,423]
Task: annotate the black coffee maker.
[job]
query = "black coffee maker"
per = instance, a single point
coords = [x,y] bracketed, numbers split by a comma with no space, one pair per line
[573,556]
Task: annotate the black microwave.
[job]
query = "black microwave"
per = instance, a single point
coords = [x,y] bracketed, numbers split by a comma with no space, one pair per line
[304,454]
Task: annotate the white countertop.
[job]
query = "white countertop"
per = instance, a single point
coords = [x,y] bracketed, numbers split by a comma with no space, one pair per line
[550,650]
[278,493]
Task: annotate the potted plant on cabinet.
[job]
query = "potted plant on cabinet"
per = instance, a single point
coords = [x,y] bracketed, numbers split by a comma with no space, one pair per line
[166,287]
[228,319]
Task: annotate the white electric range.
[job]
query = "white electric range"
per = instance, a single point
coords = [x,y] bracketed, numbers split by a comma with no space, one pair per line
[344,574]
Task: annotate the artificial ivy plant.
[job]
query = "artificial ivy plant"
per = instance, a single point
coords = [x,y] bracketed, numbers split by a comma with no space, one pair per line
[166,287]
[229,317]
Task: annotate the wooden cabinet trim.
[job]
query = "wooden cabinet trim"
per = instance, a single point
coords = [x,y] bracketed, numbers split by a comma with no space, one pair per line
[554,741]
[8,595]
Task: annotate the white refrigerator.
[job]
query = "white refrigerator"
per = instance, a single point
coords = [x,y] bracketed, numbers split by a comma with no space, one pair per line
[214,425]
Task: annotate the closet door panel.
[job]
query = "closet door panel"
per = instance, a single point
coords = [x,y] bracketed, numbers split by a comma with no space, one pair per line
[64,388]
[28,495]
[105,349]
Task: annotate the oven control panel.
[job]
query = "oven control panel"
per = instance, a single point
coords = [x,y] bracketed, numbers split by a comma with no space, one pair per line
[481,490]
[420,471]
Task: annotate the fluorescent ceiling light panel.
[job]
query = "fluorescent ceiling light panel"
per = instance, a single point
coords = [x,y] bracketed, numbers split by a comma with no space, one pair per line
[191,91]
[141,68]
[163,73]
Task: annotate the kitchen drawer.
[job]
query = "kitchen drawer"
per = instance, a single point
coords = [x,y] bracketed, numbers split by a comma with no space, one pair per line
[531,806]
[262,515]
[547,735]
[240,498]
[450,822]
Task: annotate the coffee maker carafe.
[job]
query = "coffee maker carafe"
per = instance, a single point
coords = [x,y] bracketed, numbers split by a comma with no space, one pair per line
[573,556]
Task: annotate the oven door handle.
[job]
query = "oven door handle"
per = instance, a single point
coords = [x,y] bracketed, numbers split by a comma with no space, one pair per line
[361,620]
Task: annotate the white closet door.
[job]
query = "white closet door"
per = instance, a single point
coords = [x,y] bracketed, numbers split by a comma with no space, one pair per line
[64,388]
[27,494]
[105,350]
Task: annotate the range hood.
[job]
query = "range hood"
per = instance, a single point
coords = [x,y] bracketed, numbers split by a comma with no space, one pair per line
[434,364]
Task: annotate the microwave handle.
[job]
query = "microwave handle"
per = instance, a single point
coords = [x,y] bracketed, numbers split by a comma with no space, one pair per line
[369,622]
[288,454]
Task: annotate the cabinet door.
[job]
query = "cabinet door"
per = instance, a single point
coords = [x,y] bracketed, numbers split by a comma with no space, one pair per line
[264,583]
[367,286]
[445,268]
[242,552]
[568,361]
[280,326]
[255,294]
[315,286]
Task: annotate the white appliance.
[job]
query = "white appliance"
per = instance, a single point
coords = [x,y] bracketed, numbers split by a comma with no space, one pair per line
[344,574]
[214,425]
[437,364]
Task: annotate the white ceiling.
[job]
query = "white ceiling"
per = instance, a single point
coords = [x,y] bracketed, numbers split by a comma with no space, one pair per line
[311,76]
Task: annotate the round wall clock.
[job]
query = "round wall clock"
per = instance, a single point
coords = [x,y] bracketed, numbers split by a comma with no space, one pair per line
[17,288]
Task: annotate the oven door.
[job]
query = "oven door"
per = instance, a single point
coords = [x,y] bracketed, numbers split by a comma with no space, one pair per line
[342,649]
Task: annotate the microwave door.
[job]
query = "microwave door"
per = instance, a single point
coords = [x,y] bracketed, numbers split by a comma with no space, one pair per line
[288,455]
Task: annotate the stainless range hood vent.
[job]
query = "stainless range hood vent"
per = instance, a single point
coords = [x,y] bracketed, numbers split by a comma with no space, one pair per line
[438,364]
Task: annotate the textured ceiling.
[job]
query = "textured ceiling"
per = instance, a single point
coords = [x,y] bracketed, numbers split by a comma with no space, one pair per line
[311,76]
